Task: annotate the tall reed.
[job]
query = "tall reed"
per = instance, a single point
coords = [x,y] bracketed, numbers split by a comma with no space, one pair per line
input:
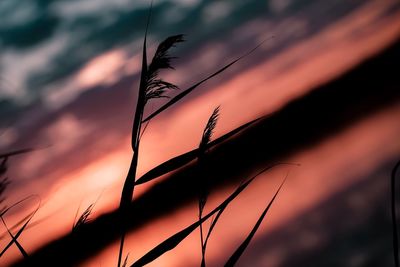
[152,87]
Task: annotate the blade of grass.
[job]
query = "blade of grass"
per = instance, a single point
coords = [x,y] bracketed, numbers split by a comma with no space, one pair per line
[142,90]
[76,215]
[84,218]
[215,220]
[17,203]
[21,249]
[129,184]
[394,216]
[125,261]
[239,251]
[190,89]
[20,222]
[168,166]
[171,242]
[183,159]
[213,223]
[21,229]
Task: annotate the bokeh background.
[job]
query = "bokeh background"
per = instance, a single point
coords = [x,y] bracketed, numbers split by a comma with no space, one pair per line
[327,74]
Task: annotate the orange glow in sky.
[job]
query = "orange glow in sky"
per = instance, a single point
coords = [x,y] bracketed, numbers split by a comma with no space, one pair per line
[258,90]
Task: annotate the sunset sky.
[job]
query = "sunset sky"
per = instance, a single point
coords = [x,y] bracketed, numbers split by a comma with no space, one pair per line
[69,75]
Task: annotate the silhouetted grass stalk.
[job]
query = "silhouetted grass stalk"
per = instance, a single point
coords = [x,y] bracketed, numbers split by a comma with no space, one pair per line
[394,216]
[83,219]
[4,182]
[129,184]
[239,251]
[204,183]
[14,238]
[151,87]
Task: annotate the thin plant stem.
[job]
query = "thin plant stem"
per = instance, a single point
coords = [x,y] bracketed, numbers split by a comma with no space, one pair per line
[129,184]
[394,216]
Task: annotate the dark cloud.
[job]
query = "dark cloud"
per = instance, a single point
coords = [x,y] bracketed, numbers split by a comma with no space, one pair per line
[29,34]
[92,31]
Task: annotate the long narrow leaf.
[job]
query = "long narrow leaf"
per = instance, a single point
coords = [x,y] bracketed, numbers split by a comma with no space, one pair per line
[19,223]
[190,89]
[183,159]
[177,238]
[129,183]
[141,97]
[239,251]
[17,203]
[124,264]
[215,220]
[394,216]
[20,230]
[213,223]
[168,166]
[21,249]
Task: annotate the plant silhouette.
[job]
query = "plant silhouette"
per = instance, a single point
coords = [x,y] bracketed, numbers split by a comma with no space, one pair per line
[151,86]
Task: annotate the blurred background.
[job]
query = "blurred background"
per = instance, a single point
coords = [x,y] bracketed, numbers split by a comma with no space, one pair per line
[327,75]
